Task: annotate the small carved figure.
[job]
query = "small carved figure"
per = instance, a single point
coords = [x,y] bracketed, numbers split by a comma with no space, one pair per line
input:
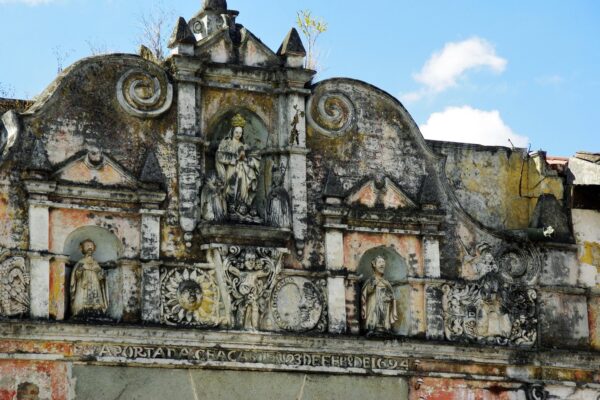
[250,288]
[378,303]
[279,210]
[238,169]
[88,285]
[212,201]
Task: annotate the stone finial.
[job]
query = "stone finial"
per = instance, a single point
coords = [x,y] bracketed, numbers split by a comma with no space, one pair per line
[151,172]
[215,5]
[292,45]
[38,158]
[182,34]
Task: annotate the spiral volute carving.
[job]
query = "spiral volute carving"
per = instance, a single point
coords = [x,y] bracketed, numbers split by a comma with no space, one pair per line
[144,94]
[331,113]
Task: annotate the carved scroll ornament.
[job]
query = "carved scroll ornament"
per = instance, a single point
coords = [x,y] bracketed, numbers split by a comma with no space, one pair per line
[144,94]
[298,304]
[331,113]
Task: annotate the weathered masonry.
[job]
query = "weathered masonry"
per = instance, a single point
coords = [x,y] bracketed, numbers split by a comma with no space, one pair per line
[220,226]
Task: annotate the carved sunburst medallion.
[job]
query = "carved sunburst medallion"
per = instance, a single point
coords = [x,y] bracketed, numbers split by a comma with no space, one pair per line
[190,297]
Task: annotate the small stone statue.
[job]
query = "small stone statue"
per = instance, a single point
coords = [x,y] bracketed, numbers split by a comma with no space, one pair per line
[377,299]
[238,169]
[212,200]
[251,288]
[279,210]
[88,285]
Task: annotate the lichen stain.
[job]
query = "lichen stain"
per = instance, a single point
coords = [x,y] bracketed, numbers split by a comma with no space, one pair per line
[457,389]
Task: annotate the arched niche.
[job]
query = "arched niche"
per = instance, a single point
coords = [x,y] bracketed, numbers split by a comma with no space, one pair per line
[396,272]
[256,136]
[108,246]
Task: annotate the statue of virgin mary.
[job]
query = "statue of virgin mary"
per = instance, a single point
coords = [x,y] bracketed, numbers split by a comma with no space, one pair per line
[238,169]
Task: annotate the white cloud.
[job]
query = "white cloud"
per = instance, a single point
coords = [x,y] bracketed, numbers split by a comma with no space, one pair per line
[470,125]
[444,68]
[27,2]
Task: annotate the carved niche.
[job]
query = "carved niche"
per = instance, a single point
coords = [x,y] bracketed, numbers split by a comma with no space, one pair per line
[244,180]
[498,308]
[250,273]
[190,297]
[14,286]
[298,304]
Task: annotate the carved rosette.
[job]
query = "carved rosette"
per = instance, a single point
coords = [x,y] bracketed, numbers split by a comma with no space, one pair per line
[331,113]
[298,304]
[250,274]
[519,264]
[145,94]
[190,297]
[14,287]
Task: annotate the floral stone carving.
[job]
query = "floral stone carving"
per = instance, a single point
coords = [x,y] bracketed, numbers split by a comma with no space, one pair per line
[493,309]
[298,304]
[14,286]
[250,274]
[190,297]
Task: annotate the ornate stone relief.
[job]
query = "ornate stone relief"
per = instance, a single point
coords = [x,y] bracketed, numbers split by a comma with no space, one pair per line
[14,286]
[89,295]
[190,297]
[143,94]
[298,304]
[250,274]
[331,113]
[378,305]
[499,308]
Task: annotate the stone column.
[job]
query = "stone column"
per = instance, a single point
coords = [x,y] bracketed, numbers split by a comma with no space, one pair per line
[431,256]
[40,285]
[336,287]
[187,129]
[151,291]
[39,227]
[131,290]
[297,167]
[150,235]
[59,287]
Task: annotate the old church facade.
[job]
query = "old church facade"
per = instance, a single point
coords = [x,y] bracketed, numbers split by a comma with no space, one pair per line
[220,226]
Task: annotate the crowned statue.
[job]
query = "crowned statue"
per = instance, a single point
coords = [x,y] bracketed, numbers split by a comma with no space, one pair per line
[238,168]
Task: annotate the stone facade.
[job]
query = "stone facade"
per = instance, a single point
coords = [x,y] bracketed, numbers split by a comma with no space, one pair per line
[220,226]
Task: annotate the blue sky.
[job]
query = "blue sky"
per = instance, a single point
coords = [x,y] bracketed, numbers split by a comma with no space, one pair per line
[481,71]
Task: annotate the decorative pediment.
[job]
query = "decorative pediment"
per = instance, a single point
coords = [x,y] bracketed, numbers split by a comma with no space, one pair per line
[219,47]
[96,168]
[379,193]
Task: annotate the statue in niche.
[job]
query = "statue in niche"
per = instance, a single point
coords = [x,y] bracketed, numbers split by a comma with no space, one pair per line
[279,210]
[212,200]
[378,305]
[88,285]
[239,170]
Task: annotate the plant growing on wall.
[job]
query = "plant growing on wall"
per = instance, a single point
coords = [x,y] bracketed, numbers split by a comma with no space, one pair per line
[312,27]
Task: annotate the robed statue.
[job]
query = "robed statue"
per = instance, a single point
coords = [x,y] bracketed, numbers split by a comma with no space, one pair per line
[238,169]
[377,299]
[88,285]
[279,208]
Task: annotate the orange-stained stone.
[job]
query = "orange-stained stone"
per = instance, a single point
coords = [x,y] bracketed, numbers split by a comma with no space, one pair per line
[458,389]
[50,378]
[58,286]
[594,321]
[407,246]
